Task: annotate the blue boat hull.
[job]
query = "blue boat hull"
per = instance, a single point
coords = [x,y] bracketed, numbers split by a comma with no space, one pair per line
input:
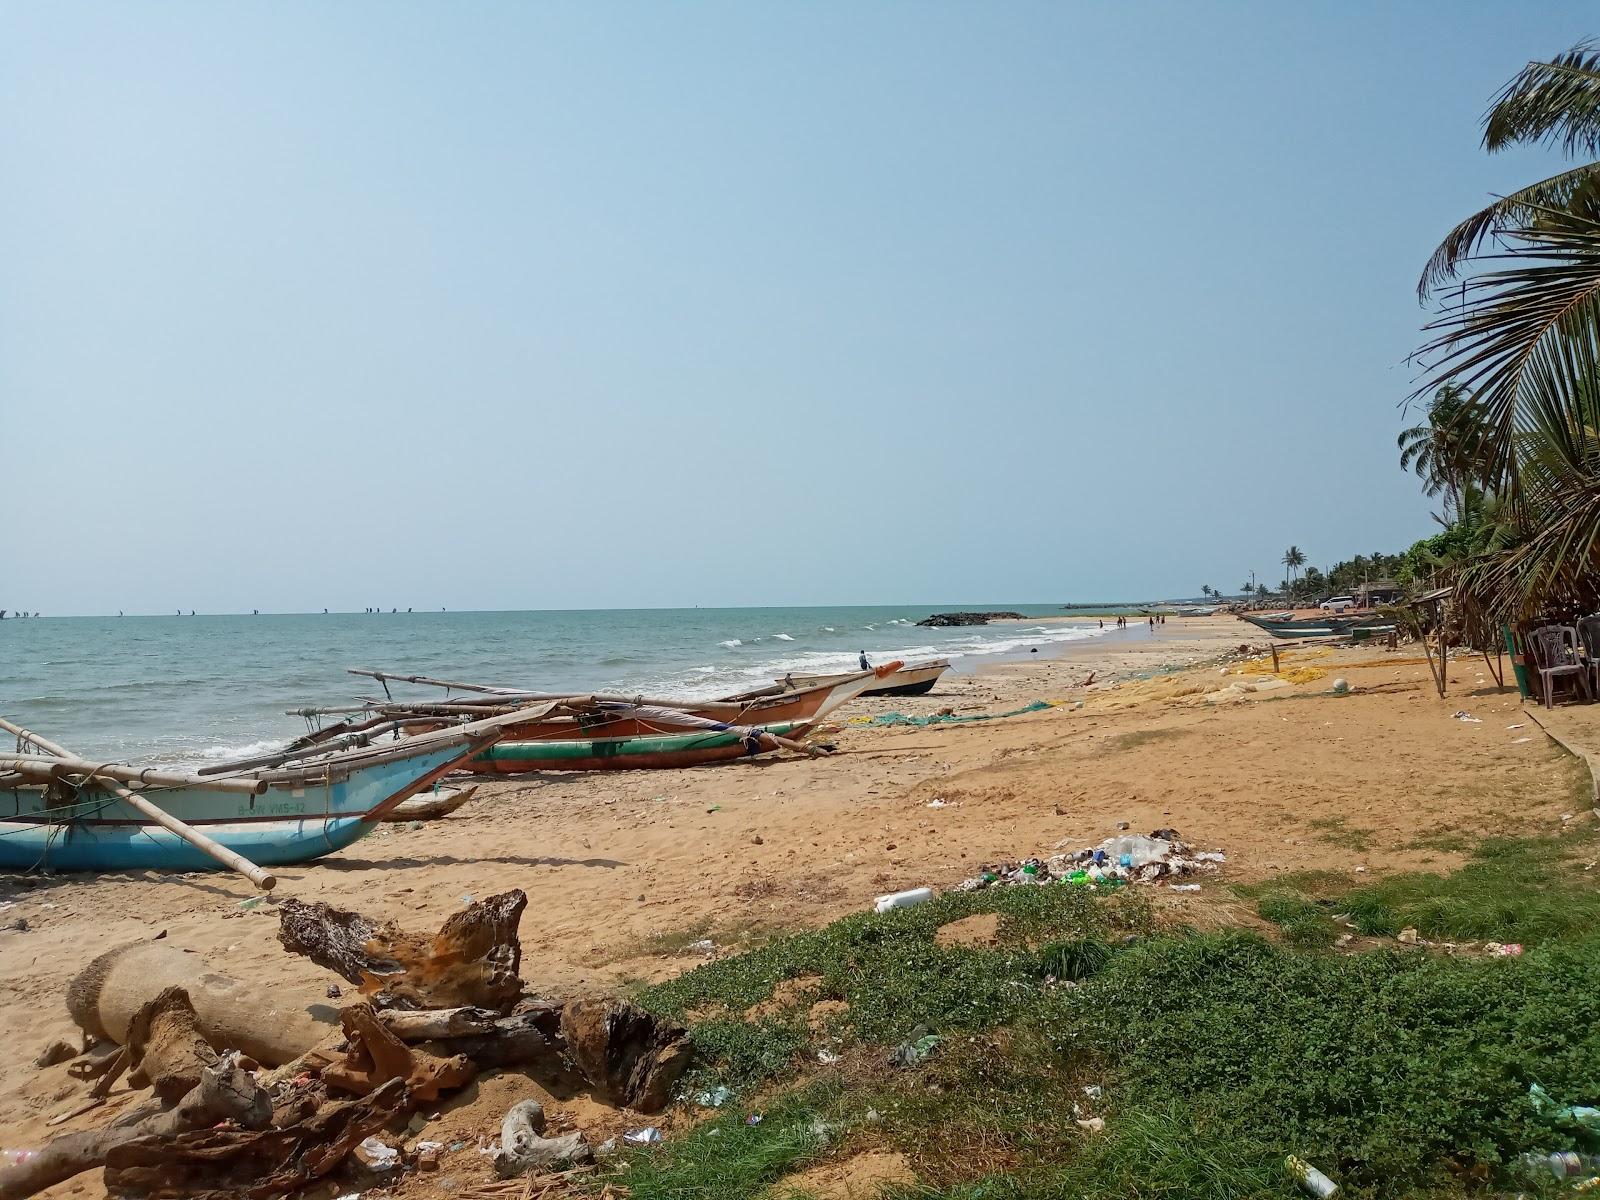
[290,823]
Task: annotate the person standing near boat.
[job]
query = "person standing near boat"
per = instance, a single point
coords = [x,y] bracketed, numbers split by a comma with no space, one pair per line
[865,665]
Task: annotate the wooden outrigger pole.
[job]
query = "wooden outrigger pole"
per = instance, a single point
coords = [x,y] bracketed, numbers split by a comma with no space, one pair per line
[263,879]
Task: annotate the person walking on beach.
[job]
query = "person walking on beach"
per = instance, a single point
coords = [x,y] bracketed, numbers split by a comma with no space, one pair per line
[865,665]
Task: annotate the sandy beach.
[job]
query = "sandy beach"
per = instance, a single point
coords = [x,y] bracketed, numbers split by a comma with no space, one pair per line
[625,871]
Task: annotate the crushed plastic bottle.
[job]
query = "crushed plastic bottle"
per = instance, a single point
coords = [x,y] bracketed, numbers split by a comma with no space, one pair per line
[15,1158]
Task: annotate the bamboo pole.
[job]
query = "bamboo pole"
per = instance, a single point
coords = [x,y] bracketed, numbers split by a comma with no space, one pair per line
[264,880]
[66,764]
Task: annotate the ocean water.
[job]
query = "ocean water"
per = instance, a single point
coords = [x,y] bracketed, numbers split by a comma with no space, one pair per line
[189,689]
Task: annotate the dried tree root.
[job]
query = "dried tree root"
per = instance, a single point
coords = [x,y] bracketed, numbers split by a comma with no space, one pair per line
[224,1093]
[261,1164]
[472,961]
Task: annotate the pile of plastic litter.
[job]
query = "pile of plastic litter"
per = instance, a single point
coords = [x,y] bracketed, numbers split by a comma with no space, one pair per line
[1131,858]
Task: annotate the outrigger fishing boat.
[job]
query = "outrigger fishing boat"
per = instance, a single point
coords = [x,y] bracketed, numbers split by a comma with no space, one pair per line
[64,813]
[913,679]
[611,732]
[1314,627]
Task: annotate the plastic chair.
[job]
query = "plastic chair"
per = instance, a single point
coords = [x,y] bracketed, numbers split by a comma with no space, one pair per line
[1555,655]
[1589,643]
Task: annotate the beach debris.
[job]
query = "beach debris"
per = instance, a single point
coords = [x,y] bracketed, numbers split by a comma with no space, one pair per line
[333,992]
[523,1146]
[376,1155]
[1518,725]
[1122,825]
[915,1049]
[1094,1091]
[705,946]
[1183,887]
[753,1120]
[827,1057]
[1546,1107]
[905,899]
[714,1097]
[1407,936]
[271,1027]
[629,1056]
[56,1052]
[225,1093]
[648,1136]
[1563,1164]
[1130,858]
[472,961]
[1313,1181]
[255,1162]
[1463,715]
[948,715]
[1505,949]
[1341,687]
[1091,1124]
[936,802]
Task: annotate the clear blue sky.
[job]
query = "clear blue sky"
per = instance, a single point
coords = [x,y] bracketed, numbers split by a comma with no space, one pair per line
[529,305]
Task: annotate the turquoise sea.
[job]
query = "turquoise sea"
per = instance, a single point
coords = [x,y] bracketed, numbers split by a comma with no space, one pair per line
[187,689]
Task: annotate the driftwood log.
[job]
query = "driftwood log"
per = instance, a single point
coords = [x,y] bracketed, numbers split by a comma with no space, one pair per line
[472,961]
[374,1056]
[231,1014]
[166,1049]
[628,1055]
[429,1024]
[262,1164]
[224,1093]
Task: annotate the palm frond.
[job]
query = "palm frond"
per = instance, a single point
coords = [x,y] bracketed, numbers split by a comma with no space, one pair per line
[1576,189]
[1508,332]
[1555,102]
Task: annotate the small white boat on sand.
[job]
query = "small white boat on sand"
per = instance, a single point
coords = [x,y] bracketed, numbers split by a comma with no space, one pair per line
[913,679]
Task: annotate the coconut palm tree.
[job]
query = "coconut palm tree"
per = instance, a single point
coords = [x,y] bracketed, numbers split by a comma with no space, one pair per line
[1523,338]
[1444,449]
[1294,558]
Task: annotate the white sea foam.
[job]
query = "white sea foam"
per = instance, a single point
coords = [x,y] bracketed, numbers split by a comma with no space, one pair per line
[783,637]
[731,643]
[248,750]
[829,629]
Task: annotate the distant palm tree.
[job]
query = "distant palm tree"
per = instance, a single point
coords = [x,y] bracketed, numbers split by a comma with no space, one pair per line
[1205,589]
[1261,591]
[1444,450]
[1294,558]
[1246,588]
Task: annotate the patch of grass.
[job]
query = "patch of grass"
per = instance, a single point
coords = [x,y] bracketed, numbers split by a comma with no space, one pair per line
[1336,832]
[893,976]
[745,1053]
[725,1159]
[1512,890]
[1377,1067]
[1304,922]
[1075,960]
[1397,1073]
